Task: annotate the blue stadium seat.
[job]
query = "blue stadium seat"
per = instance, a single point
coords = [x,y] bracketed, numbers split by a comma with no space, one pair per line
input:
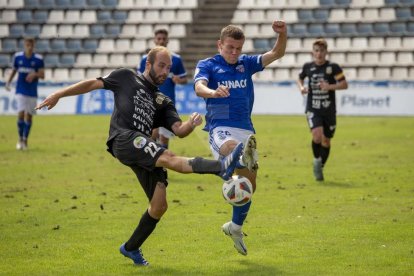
[410,28]
[327,2]
[8,45]
[40,16]
[104,16]
[58,46]
[78,4]
[392,2]
[96,30]
[47,4]
[24,16]
[90,45]
[62,4]
[74,45]
[34,4]
[305,16]
[407,2]
[42,46]
[119,16]
[321,15]
[67,60]
[381,29]
[365,29]
[299,30]
[348,29]
[261,45]
[95,4]
[343,3]
[16,30]
[397,28]
[113,30]
[332,29]
[5,61]
[403,13]
[316,30]
[110,4]
[51,60]
[33,30]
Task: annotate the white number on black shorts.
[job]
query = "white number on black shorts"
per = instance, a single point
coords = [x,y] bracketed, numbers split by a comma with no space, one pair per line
[152,149]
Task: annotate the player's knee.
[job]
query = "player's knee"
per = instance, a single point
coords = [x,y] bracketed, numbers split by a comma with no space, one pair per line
[159,209]
[166,159]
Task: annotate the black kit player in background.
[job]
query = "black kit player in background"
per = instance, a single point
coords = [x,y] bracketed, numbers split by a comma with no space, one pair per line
[139,108]
[324,77]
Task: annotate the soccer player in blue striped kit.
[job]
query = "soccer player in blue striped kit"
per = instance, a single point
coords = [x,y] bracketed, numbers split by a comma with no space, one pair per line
[225,82]
[30,68]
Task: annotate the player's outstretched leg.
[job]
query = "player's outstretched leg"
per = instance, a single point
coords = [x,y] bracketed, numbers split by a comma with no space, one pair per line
[135,255]
[249,156]
[229,163]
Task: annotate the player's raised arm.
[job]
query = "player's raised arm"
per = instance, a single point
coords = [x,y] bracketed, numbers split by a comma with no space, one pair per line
[81,87]
[279,48]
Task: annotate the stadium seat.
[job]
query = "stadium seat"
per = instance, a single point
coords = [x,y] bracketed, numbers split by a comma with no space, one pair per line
[56,16]
[94,4]
[62,4]
[73,16]
[299,30]
[370,15]
[321,15]
[405,58]
[106,46]
[387,14]
[376,43]
[382,73]
[112,31]
[24,16]
[348,29]
[48,30]
[365,73]
[387,58]
[337,58]
[16,30]
[353,58]
[135,16]
[32,30]
[14,4]
[61,74]
[116,60]
[365,29]
[301,58]
[81,31]
[51,60]
[256,15]
[393,43]
[139,45]
[47,4]
[305,16]
[397,28]
[90,45]
[261,45]
[76,74]
[83,61]
[403,14]
[74,46]
[119,16]
[381,29]
[337,15]
[97,31]
[40,16]
[42,46]
[78,4]
[354,15]
[371,58]
[342,43]
[286,61]
[272,15]
[132,60]
[359,43]
[100,60]
[8,16]
[327,3]
[391,2]
[58,45]
[316,30]
[332,29]
[4,30]
[241,16]
[289,16]
[109,4]
[122,46]
[281,74]
[410,28]
[399,73]
[407,43]
[93,73]
[65,30]
[67,60]
[33,4]
[343,3]
[104,16]
[5,61]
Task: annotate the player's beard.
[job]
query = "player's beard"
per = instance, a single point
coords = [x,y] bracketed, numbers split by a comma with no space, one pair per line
[156,79]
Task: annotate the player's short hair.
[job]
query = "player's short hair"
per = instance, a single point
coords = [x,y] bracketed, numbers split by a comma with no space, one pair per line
[154,51]
[231,31]
[29,39]
[161,31]
[321,43]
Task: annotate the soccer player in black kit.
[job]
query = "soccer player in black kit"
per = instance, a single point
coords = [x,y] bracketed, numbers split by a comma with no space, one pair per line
[139,108]
[324,77]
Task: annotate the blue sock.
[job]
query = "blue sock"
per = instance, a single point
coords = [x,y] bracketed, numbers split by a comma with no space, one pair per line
[240,213]
[20,127]
[26,129]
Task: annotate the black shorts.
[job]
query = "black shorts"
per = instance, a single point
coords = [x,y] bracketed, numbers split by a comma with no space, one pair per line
[327,121]
[140,153]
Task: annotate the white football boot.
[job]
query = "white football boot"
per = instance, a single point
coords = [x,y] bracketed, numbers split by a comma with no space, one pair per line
[237,237]
[250,156]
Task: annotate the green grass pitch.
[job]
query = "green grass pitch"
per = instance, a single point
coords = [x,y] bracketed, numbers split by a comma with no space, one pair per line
[67,205]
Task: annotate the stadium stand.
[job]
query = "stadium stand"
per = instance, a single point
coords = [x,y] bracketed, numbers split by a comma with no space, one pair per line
[371,39]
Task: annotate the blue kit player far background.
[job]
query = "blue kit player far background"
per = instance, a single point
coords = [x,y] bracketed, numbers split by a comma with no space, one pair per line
[177,75]
[30,68]
[225,82]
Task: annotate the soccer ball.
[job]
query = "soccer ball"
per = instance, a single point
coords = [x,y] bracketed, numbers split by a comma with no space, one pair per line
[238,190]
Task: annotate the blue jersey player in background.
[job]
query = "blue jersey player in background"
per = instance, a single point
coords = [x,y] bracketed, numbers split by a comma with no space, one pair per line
[177,75]
[30,67]
[225,82]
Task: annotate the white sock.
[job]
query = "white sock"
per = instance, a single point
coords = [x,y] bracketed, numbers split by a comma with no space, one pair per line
[235,227]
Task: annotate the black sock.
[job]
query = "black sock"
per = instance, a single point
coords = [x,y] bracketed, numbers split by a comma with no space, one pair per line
[144,229]
[324,154]
[203,166]
[316,148]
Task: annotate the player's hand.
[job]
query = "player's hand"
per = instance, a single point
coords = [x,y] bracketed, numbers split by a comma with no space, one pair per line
[279,26]
[49,102]
[196,119]
[31,76]
[175,79]
[7,87]
[221,92]
[304,90]
[324,85]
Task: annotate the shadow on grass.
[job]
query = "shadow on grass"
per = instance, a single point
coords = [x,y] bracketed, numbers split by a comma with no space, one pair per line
[330,183]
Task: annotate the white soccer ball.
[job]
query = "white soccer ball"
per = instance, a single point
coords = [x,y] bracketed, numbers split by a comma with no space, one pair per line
[238,190]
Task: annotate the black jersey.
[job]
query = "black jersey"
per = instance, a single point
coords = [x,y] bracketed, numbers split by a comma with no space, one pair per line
[139,105]
[321,101]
